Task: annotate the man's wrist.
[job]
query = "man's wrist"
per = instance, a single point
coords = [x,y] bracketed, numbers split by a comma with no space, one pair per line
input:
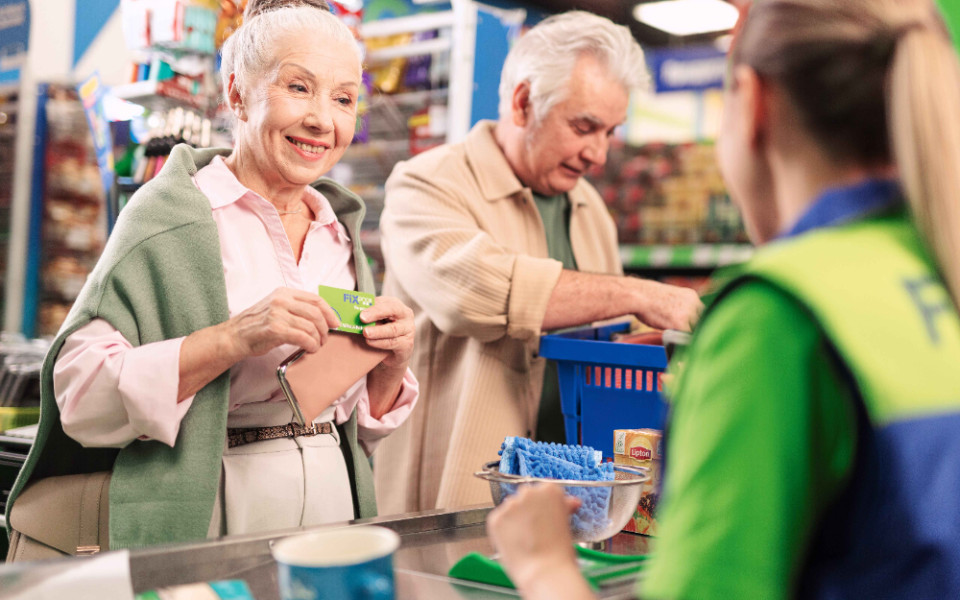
[384,386]
[392,370]
[641,291]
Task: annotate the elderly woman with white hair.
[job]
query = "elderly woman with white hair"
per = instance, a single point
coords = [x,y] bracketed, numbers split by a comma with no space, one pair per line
[499,237]
[165,369]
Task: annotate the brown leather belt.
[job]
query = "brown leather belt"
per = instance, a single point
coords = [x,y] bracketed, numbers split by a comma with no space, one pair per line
[239,437]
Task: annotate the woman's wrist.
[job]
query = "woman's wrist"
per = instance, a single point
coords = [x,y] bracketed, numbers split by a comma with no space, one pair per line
[227,343]
[204,355]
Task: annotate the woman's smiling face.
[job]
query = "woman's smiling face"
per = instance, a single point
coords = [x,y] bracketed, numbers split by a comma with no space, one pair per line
[297,119]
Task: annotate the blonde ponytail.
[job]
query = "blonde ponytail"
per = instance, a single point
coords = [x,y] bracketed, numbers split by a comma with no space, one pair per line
[877,82]
[924,124]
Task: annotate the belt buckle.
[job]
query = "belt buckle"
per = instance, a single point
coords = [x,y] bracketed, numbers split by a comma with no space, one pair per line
[313,429]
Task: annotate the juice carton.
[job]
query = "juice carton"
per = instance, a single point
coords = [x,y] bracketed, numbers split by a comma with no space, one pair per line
[641,448]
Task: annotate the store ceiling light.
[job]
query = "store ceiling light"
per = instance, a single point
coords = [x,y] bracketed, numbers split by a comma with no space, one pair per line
[687,17]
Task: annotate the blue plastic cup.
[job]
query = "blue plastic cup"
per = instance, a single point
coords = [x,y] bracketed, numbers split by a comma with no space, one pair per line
[350,563]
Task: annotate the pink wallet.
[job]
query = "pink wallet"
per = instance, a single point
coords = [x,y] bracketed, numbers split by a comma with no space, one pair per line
[313,381]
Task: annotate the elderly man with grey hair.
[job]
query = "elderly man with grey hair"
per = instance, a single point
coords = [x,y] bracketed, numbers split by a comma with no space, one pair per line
[492,241]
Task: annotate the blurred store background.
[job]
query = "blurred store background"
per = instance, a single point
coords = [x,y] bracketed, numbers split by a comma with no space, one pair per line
[94,94]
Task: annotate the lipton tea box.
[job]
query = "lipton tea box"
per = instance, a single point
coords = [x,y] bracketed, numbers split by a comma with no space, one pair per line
[641,448]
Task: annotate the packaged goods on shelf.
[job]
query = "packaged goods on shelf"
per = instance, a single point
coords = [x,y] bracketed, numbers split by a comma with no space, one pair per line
[388,75]
[396,66]
[403,113]
[177,126]
[350,12]
[8,123]
[174,44]
[64,276]
[229,19]
[179,25]
[668,194]
[428,128]
[160,85]
[73,227]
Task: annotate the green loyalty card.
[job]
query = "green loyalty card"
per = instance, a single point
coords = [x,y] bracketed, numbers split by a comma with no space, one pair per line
[348,305]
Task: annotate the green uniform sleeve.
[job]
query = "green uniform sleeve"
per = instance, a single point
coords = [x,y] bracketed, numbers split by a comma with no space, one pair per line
[761,439]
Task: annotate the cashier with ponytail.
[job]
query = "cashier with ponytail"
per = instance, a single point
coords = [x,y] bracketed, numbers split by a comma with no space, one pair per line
[814,443]
[207,283]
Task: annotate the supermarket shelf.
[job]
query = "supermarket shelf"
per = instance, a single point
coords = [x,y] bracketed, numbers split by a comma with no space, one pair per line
[433,46]
[412,24]
[687,256]
[159,96]
[417,98]
[177,49]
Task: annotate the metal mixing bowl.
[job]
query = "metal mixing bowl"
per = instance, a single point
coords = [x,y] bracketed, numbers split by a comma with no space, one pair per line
[624,494]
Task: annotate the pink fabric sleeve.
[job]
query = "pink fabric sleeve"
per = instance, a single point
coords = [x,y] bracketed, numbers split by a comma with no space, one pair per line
[370,430]
[111,393]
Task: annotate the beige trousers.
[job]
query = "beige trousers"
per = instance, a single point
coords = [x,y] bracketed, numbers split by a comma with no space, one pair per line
[282,484]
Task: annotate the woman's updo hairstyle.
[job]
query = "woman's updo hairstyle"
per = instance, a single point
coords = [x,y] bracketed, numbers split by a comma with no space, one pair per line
[258,7]
[249,54]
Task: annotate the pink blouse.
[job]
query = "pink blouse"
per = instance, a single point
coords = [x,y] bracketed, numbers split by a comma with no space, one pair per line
[111,393]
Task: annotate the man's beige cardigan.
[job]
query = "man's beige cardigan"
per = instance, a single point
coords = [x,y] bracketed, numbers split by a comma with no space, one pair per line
[465,248]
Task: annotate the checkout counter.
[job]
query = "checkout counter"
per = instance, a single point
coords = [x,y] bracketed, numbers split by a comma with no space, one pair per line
[431,542]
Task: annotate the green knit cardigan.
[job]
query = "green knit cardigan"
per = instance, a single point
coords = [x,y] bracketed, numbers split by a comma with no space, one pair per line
[161,277]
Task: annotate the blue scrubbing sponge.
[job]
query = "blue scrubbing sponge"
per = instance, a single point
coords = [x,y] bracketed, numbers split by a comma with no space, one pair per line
[533,464]
[583,456]
[520,456]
